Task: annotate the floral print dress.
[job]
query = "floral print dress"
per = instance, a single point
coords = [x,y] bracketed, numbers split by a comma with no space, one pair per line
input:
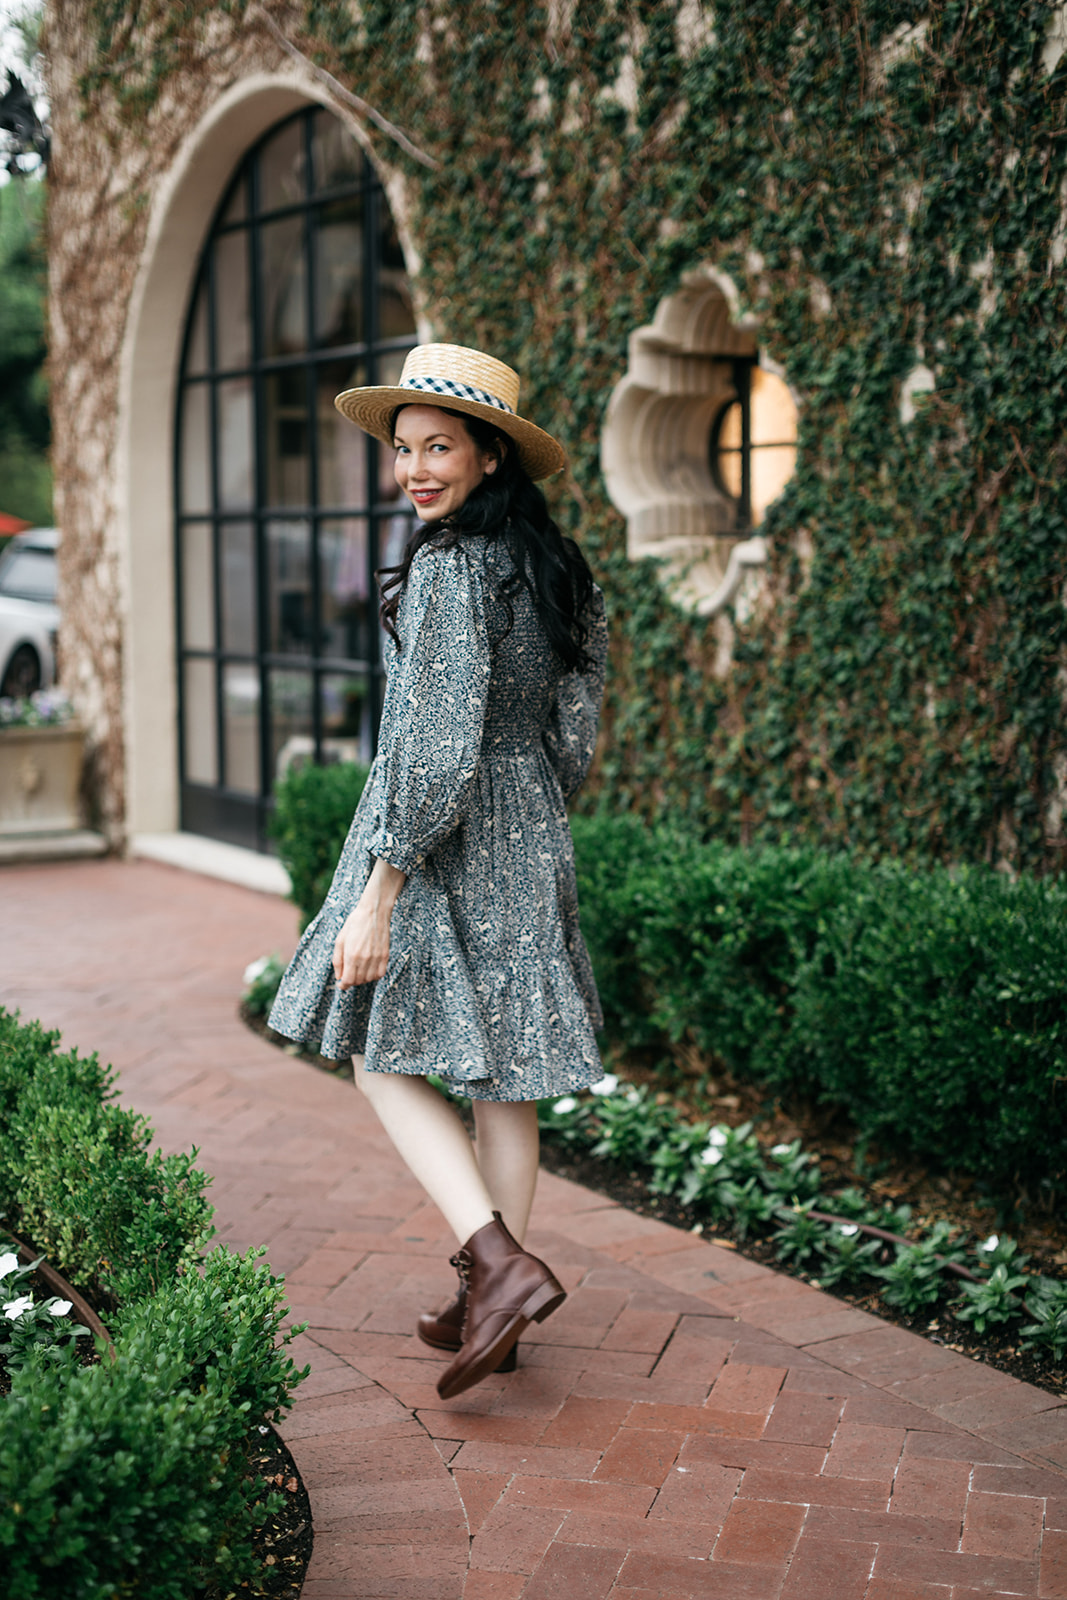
[483,736]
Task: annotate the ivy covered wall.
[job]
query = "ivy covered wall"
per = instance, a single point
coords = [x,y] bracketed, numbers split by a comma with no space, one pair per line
[886,184]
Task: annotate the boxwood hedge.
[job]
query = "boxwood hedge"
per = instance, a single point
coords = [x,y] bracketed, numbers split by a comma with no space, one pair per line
[930,1003]
[129,1476]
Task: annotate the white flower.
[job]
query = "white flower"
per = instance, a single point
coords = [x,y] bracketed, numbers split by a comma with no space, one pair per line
[256,969]
[849,1229]
[992,1243]
[719,1136]
[633,1097]
[8,1263]
[607,1085]
[561,1107]
[59,1308]
[15,1308]
[711,1156]
[781,1149]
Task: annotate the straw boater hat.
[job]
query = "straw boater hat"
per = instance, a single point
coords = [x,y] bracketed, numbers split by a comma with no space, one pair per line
[457,379]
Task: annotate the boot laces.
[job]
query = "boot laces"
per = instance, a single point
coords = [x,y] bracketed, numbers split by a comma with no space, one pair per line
[462,1263]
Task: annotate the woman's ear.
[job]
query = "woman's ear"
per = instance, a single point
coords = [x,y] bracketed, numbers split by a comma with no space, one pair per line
[496,456]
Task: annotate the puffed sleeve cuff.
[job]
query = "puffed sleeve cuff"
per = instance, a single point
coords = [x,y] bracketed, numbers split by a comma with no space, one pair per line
[386,847]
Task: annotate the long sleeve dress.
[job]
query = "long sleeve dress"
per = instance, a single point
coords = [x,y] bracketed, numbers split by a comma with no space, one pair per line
[483,737]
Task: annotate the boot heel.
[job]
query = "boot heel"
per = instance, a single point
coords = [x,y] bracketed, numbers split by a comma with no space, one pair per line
[543,1301]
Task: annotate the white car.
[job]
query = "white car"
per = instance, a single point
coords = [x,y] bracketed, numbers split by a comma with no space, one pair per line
[29,616]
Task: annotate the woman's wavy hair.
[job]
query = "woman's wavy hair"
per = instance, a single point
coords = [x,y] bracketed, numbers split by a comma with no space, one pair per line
[508,505]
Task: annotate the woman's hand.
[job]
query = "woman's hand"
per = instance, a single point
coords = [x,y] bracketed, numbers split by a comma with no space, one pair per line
[361,950]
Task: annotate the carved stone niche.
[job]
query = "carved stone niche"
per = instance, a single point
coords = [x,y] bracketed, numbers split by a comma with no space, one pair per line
[655,445]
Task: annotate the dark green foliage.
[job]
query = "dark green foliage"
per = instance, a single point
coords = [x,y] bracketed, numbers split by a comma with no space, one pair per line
[129,1477]
[800,1237]
[78,1177]
[995,1300]
[313,812]
[25,488]
[914,1278]
[931,1005]
[1047,1305]
[848,1256]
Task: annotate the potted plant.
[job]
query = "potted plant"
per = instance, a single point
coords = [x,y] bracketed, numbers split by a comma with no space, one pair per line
[41,749]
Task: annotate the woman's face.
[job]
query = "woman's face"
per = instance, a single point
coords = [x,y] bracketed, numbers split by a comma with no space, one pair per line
[437,462]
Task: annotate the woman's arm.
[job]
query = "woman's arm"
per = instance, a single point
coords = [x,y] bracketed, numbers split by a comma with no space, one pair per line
[361,951]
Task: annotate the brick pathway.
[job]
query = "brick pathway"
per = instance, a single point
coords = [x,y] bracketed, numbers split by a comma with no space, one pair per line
[688,1424]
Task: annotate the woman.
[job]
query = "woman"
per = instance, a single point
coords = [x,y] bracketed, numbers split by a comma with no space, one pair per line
[449,940]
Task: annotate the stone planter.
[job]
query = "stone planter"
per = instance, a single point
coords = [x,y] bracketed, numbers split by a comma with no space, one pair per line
[40,777]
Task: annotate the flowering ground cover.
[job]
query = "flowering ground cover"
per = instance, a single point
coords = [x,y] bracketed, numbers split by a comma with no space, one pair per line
[758,1177]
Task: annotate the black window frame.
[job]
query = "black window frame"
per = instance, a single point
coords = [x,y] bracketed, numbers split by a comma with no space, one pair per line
[742,369]
[218,810]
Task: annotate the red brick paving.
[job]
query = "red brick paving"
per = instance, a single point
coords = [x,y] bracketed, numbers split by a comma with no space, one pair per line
[688,1425]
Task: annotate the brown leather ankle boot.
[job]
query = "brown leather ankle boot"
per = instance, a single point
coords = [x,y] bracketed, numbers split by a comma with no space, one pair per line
[507,1288]
[444,1330]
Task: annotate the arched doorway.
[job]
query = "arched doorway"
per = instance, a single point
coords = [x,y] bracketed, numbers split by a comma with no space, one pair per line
[282,511]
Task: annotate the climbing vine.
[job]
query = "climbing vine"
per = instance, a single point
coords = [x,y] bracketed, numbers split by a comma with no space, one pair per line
[886,183]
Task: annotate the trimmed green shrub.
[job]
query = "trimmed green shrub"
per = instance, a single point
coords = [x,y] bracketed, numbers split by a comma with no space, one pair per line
[935,1008]
[930,1004]
[130,1477]
[313,810]
[78,1177]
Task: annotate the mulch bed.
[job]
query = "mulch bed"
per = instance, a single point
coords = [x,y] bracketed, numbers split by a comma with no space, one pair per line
[283,1542]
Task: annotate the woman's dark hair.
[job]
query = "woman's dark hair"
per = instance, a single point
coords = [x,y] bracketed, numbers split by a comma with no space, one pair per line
[508,505]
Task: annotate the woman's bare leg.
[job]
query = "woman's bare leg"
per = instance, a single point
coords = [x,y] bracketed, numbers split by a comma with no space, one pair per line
[430,1137]
[509,1149]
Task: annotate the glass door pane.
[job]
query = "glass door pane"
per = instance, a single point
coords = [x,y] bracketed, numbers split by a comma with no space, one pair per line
[345,701]
[287,435]
[196,449]
[291,728]
[342,448]
[237,563]
[290,598]
[233,318]
[240,703]
[200,722]
[235,458]
[349,600]
[283,289]
[198,587]
[339,293]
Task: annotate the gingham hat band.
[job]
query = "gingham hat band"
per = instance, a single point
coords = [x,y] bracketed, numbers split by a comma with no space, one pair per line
[454,376]
[458,391]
